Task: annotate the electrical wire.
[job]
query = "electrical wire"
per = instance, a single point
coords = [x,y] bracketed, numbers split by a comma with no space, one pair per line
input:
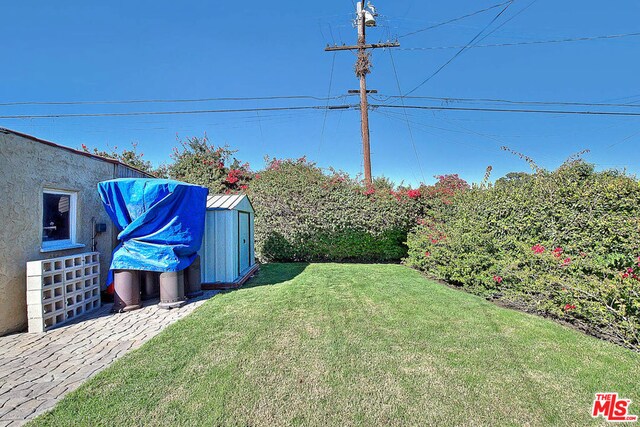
[533,42]
[422,127]
[454,19]
[507,21]
[320,107]
[383,98]
[508,110]
[168,101]
[326,111]
[460,130]
[413,143]
[435,73]
[624,139]
[160,113]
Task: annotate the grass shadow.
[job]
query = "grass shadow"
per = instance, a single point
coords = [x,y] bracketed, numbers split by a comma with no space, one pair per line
[273,274]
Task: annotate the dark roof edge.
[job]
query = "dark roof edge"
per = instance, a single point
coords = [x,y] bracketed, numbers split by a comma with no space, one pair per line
[73,150]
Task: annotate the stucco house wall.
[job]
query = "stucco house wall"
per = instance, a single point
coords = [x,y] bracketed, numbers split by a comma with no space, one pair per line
[27,167]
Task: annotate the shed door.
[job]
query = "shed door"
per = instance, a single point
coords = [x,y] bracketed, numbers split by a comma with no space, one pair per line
[244,243]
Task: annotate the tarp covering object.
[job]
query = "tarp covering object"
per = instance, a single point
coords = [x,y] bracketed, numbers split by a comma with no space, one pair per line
[161,222]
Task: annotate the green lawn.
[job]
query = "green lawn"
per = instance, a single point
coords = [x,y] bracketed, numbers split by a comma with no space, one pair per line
[343,344]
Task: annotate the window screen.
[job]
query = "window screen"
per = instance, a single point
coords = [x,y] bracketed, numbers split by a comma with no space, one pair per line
[56,217]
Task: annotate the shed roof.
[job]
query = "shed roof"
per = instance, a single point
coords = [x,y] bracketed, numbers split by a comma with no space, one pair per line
[226,201]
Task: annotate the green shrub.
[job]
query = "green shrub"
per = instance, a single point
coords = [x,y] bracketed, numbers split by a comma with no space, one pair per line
[562,243]
[304,214]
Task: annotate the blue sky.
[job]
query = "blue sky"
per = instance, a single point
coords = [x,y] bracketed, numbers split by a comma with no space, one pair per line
[85,51]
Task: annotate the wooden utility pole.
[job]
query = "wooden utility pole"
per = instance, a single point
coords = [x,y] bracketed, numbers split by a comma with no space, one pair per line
[362,69]
[364,18]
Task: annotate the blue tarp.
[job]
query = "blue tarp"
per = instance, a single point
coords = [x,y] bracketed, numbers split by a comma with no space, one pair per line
[161,222]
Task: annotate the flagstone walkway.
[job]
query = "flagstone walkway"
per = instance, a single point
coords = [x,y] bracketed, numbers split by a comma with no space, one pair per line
[37,370]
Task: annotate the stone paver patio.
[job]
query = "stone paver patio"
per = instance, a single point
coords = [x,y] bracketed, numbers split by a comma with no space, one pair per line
[37,370]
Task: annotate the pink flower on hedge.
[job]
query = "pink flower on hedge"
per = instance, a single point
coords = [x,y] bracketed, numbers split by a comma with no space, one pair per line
[557,252]
[233,176]
[566,261]
[427,254]
[413,194]
[497,279]
[629,270]
[625,275]
[275,164]
[538,249]
[369,191]
[569,307]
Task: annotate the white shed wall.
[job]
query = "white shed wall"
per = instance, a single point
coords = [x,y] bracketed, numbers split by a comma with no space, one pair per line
[220,247]
[253,239]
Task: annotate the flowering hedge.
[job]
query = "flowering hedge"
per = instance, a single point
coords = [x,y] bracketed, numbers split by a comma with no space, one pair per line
[564,243]
[304,214]
[202,163]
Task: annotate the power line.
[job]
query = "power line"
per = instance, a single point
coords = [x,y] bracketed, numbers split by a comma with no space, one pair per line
[507,21]
[508,110]
[159,113]
[381,98]
[435,73]
[326,112]
[566,40]
[152,101]
[413,143]
[454,19]
[423,127]
[320,107]
[624,139]
[506,101]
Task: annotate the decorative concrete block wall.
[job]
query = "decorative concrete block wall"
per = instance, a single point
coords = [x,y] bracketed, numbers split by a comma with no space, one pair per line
[61,289]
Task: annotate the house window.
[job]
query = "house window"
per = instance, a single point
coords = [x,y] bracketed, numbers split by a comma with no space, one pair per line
[58,219]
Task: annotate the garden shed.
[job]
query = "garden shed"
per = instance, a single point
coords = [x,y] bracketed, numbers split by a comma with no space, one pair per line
[228,252]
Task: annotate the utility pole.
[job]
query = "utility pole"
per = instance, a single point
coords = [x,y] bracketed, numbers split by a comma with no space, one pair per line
[365,17]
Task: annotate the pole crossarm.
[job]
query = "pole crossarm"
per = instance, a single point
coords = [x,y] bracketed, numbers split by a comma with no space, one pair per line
[366,46]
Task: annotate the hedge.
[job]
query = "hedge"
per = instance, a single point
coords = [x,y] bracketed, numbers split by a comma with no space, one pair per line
[305,214]
[564,243]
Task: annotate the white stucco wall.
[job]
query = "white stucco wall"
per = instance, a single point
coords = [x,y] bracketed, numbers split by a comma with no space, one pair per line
[26,168]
